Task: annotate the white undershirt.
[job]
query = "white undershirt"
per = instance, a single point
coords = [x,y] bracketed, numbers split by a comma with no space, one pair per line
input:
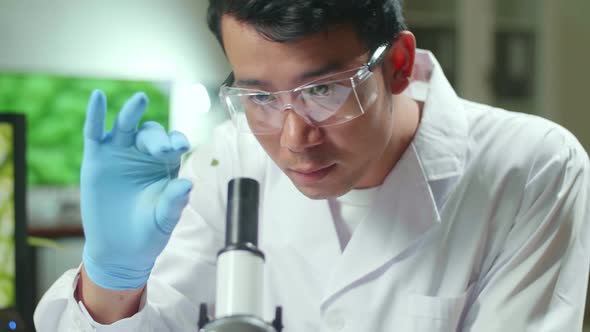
[349,210]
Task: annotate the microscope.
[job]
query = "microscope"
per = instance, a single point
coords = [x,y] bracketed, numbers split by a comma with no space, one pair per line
[240,268]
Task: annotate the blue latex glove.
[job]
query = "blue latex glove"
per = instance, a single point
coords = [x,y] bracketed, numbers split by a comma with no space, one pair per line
[131,199]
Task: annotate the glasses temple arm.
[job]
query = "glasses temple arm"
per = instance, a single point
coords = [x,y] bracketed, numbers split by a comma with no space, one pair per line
[378,56]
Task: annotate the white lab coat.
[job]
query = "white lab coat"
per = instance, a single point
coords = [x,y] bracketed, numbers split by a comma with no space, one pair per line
[481,226]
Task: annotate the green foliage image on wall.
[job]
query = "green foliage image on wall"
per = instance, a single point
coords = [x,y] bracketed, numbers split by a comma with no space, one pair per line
[55,107]
[7,259]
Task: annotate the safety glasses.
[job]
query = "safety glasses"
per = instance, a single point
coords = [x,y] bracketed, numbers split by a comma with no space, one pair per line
[327,101]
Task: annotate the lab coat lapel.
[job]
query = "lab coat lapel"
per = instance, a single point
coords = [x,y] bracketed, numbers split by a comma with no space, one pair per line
[441,141]
[403,211]
[406,208]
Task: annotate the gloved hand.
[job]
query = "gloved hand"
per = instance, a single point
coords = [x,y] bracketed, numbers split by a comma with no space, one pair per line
[131,198]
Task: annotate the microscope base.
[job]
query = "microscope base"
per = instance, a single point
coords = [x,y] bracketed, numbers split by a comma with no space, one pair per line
[242,323]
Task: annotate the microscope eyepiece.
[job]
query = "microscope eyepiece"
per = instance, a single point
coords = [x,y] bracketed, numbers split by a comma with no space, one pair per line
[242,213]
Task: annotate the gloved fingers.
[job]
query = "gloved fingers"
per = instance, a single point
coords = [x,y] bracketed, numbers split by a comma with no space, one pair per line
[128,119]
[180,146]
[95,116]
[152,144]
[172,202]
[178,141]
[153,140]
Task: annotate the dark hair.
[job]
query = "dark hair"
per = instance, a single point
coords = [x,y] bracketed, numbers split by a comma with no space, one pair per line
[376,21]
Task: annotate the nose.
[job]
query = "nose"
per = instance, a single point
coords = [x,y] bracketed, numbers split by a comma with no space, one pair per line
[298,135]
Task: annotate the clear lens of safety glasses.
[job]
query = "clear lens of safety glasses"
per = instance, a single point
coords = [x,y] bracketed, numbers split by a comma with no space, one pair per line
[328,101]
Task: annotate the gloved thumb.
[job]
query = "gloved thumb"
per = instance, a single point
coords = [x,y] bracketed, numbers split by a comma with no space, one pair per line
[172,201]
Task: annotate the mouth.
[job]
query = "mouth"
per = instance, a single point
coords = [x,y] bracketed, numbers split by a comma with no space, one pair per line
[311,174]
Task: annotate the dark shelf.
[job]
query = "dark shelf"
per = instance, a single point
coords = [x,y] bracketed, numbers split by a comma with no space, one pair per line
[56,232]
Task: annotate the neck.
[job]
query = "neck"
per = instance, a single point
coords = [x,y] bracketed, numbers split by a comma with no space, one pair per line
[406,119]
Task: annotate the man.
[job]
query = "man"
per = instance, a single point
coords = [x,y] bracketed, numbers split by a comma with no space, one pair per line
[388,203]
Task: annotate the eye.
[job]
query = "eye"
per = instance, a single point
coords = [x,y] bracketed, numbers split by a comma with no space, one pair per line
[322,90]
[262,99]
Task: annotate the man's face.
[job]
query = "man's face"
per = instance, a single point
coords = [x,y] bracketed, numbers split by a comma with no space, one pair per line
[321,162]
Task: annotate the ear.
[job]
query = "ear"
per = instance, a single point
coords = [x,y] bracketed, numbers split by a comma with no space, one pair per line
[401,57]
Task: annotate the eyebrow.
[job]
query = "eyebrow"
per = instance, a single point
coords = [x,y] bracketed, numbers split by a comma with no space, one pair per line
[325,70]
[308,75]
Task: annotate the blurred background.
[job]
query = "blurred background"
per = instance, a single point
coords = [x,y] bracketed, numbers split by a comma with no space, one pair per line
[523,55]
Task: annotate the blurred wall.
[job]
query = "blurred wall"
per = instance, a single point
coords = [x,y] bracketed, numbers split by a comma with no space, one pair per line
[155,40]
[568,49]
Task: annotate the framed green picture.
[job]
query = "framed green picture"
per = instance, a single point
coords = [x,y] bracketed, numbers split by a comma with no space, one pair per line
[55,109]
[7,224]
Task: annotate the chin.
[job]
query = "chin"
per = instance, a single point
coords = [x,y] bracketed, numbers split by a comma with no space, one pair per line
[319,192]
[314,194]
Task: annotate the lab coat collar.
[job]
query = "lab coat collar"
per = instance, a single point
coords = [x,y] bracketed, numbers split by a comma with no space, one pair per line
[403,211]
[442,137]
[406,207]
